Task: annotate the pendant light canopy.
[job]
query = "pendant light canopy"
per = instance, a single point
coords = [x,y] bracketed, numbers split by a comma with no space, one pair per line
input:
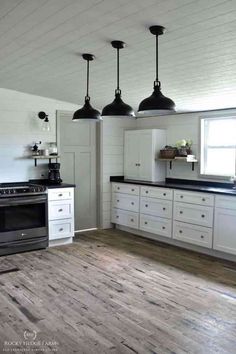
[157,103]
[87,112]
[118,107]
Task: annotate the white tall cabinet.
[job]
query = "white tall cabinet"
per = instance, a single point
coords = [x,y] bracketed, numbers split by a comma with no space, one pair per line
[141,150]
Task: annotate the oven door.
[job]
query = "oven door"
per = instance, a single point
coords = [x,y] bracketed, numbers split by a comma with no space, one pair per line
[23,218]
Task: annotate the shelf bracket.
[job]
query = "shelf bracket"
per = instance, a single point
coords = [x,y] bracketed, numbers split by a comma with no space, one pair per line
[170,165]
[192,166]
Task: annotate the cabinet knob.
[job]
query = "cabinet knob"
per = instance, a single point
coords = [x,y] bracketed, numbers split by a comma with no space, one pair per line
[117,216]
[181,212]
[60,210]
[61,229]
[132,189]
[163,227]
[145,222]
[60,195]
[146,192]
[180,231]
[181,196]
[132,203]
[117,200]
[164,194]
[132,220]
[203,216]
[146,205]
[164,208]
[202,236]
[118,188]
[203,199]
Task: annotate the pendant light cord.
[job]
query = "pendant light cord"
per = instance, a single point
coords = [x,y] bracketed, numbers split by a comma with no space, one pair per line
[157,82]
[118,91]
[87,92]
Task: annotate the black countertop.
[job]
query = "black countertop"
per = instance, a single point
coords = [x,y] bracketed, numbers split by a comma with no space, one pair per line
[46,183]
[188,185]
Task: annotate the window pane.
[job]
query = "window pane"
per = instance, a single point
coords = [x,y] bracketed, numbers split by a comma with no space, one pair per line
[221,132]
[220,162]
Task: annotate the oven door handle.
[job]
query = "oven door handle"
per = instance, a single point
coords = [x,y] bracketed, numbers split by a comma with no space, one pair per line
[22,243]
[22,201]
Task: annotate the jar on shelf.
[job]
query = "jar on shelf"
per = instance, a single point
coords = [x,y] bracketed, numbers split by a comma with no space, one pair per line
[53,149]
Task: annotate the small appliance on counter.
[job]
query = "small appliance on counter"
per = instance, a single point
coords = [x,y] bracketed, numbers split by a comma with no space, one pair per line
[54,173]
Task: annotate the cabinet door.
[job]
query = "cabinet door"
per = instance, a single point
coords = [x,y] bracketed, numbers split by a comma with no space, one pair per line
[131,154]
[193,214]
[146,156]
[225,230]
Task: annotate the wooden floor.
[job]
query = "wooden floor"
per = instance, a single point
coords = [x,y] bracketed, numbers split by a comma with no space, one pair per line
[112,292]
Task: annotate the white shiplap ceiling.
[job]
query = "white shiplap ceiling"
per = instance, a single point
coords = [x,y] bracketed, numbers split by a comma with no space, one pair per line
[41,42]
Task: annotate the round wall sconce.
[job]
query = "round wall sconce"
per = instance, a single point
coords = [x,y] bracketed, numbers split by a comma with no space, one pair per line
[45,124]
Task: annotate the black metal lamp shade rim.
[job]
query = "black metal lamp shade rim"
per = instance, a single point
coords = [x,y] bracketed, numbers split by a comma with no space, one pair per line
[87,112]
[157,102]
[118,108]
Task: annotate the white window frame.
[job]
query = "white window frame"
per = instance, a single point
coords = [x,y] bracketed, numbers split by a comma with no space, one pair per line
[203,144]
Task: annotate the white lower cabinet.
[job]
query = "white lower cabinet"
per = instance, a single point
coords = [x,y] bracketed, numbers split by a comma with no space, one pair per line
[156,225]
[195,234]
[201,219]
[225,230]
[60,214]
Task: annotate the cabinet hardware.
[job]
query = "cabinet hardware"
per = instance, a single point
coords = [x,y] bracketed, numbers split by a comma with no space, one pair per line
[117,216]
[132,203]
[145,223]
[164,194]
[203,216]
[181,196]
[202,236]
[118,200]
[164,208]
[60,195]
[203,199]
[146,205]
[118,188]
[61,229]
[132,190]
[181,212]
[147,192]
[132,220]
[163,227]
[180,231]
[60,210]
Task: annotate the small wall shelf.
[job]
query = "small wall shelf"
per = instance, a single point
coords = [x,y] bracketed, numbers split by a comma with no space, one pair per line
[180,160]
[41,157]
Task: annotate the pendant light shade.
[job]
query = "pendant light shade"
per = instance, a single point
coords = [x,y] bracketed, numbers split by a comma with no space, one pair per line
[157,103]
[118,107]
[87,112]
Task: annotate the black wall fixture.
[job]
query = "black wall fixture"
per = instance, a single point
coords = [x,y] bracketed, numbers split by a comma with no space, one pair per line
[157,103]
[87,112]
[118,107]
[45,125]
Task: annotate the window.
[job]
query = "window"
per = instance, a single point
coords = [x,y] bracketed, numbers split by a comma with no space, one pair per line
[218,146]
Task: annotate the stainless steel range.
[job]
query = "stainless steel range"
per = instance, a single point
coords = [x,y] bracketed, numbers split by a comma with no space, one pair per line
[23,217]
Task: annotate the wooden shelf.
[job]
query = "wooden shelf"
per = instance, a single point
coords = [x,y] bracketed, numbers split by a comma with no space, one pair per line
[42,157]
[179,160]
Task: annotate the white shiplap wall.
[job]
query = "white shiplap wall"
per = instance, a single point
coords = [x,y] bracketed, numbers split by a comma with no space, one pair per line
[19,128]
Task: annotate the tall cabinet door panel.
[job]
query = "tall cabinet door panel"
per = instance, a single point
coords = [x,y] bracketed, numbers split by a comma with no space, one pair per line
[146,155]
[131,155]
[225,230]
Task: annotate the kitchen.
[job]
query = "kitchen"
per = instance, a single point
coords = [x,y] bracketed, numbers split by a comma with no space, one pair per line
[134,251]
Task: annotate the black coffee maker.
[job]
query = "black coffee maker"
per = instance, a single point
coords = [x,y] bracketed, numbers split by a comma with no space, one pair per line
[54,173]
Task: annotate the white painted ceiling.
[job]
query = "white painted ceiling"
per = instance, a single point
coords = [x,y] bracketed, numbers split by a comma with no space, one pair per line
[41,42]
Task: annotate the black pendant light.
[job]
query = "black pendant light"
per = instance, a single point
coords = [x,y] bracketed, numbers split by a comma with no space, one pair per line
[157,103]
[87,112]
[118,107]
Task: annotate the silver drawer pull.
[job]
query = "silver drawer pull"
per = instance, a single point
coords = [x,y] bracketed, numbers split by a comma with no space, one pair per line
[203,216]
[132,220]
[202,236]
[117,200]
[132,189]
[163,208]
[203,199]
[146,205]
[60,195]
[61,229]
[164,194]
[145,222]
[181,212]
[163,227]
[132,203]
[117,216]
[59,210]
[181,196]
[23,234]
[118,188]
[180,231]
[147,192]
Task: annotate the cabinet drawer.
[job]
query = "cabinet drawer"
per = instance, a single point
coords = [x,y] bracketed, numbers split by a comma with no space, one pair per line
[125,201]
[156,207]
[197,235]
[125,188]
[194,197]
[156,225]
[125,218]
[61,229]
[155,192]
[193,214]
[60,193]
[224,201]
[60,209]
